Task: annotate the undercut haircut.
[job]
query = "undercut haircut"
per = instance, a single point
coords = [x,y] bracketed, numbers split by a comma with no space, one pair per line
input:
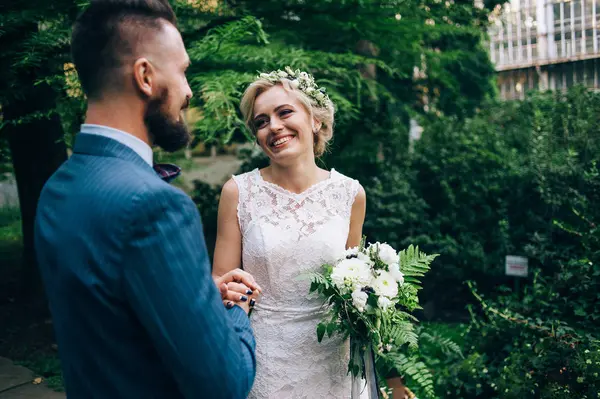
[108,34]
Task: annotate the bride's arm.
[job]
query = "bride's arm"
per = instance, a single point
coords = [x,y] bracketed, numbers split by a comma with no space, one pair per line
[228,248]
[357,218]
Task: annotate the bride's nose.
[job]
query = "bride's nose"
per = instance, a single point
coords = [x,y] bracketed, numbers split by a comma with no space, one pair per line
[276,125]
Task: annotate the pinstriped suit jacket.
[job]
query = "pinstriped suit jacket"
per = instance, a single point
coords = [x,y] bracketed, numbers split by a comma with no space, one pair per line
[135,310]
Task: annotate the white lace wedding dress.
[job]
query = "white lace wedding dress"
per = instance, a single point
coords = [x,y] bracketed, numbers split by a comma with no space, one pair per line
[285,235]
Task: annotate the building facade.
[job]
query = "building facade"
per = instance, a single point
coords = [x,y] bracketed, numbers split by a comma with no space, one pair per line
[545,44]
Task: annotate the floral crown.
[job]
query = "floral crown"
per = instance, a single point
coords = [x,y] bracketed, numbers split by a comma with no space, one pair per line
[301,81]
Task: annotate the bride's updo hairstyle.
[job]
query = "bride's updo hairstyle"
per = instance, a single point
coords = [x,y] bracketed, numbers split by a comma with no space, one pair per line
[314,99]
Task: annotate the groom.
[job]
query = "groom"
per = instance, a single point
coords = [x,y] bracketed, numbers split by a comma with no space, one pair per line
[121,252]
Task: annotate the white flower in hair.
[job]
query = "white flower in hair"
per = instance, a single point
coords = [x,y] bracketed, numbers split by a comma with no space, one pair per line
[302,81]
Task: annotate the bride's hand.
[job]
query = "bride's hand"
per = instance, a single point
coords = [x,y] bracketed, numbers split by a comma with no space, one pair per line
[247,305]
[241,295]
[246,300]
[238,287]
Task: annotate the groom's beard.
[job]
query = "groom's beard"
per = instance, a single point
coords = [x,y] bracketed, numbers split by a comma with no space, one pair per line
[170,135]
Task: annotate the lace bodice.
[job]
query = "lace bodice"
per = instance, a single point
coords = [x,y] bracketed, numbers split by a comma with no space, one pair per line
[284,236]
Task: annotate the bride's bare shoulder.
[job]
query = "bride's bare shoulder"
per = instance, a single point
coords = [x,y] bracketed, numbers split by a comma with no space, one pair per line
[230,190]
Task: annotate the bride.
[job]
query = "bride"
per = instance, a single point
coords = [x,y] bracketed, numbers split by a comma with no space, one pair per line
[285,220]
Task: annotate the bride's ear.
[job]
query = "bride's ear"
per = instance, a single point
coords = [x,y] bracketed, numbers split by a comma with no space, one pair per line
[316,125]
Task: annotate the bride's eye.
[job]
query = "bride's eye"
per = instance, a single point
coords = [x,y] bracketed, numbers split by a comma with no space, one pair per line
[260,123]
[285,112]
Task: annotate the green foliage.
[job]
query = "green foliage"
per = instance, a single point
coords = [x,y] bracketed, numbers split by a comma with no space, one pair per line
[5,159]
[543,342]
[399,332]
[363,52]
[414,264]
[456,375]
[48,367]
[207,197]
[35,43]
[518,178]
[10,225]
[415,372]
[441,343]
[531,355]
[476,190]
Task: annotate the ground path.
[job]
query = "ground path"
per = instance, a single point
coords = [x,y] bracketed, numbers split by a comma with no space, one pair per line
[18,382]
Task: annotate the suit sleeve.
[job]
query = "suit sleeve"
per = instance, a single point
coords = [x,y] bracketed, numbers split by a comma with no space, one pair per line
[167,277]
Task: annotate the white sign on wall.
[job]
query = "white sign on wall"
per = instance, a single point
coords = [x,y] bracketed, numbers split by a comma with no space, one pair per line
[517,266]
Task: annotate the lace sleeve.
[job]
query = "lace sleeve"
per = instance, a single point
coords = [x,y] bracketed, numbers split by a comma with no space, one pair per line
[354,188]
[350,187]
[244,213]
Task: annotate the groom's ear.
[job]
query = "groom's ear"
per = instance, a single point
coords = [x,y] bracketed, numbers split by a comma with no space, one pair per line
[144,76]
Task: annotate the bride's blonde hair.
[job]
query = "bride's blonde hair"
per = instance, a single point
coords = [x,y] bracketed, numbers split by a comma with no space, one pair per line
[314,100]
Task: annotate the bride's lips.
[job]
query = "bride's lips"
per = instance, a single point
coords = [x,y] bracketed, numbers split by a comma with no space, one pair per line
[281,141]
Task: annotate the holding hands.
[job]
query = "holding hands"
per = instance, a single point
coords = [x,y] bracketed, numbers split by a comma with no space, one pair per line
[238,287]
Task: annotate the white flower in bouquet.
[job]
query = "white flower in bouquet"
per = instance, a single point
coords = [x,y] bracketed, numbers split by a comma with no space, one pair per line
[385,285]
[351,273]
[396,273]
[386,253]
[365,258]
[359,299]
[384,302]
[350,253]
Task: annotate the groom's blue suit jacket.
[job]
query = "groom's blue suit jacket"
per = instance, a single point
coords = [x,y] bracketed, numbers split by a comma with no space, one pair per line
[125,267]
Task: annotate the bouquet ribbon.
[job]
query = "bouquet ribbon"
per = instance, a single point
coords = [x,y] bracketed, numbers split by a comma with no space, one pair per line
[367,388]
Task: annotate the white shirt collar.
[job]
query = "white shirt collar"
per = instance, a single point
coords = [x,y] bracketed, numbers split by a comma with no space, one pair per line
[137,145]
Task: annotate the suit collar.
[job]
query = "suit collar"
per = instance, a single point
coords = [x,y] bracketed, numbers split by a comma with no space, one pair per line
[131,141]
[92,144]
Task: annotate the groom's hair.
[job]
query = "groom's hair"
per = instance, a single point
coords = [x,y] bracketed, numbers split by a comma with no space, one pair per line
[107,34]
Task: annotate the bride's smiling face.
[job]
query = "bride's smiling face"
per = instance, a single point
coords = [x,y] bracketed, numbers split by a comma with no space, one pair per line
[284,129]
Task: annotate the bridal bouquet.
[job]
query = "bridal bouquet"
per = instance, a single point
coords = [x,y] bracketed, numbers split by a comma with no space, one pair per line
[369,293]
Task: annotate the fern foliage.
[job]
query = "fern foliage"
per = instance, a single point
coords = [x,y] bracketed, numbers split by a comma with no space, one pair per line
[414,264]
[415,372]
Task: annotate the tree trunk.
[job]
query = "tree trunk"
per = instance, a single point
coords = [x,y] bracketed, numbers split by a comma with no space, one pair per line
[37,150]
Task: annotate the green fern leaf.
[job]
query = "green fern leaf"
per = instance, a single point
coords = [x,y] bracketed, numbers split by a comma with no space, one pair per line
[418,376]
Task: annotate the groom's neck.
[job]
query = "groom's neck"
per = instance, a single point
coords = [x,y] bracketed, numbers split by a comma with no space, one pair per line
[119,113]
